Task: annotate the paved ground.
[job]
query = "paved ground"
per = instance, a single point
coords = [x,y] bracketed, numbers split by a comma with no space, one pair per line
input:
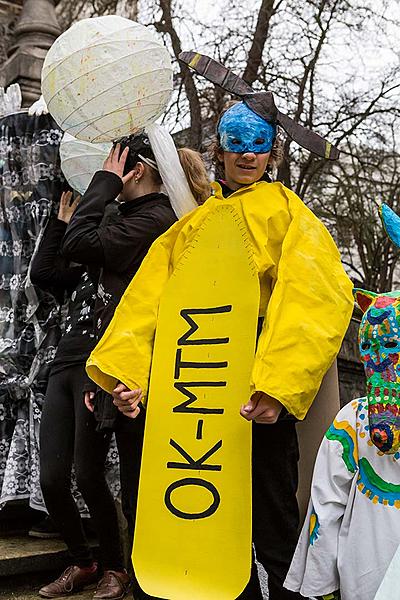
[26,564]
[20,547]
[21,554]
[26,587]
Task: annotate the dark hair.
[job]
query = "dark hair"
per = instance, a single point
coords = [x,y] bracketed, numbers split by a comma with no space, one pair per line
[137,144]
[216,149]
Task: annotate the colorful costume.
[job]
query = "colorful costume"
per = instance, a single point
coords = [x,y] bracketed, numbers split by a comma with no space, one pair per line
[352,529]
[304,291]
[303,288]
[304,307]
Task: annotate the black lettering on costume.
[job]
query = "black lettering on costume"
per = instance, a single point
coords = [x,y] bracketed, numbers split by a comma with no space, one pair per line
[196,465]
[200,483]
[184,407]
[182,364]
[199,433]
[193,326]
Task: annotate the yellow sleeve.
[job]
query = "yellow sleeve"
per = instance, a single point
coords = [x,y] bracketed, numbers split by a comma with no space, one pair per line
[307,315]
[124,352]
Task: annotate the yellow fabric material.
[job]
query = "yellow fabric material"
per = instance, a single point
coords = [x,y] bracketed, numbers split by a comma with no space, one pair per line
[195,439]
[305,298]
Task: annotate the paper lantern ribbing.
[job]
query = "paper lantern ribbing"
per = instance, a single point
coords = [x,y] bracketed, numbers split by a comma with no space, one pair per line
[106,77]
[80,160]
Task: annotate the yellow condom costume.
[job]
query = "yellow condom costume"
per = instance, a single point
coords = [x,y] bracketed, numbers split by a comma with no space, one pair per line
[195,486]
[185,333]
[305,298]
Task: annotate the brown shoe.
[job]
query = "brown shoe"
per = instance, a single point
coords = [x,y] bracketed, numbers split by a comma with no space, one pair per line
[114,585]
[72,580]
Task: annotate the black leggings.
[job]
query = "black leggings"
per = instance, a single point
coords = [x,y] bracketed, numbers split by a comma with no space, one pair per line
[275,510]
[68,435]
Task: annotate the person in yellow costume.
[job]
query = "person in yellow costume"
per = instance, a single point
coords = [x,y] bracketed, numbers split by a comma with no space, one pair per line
[305,307]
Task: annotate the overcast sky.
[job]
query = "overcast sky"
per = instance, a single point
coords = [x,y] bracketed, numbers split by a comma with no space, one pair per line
[356,57]
[369,51]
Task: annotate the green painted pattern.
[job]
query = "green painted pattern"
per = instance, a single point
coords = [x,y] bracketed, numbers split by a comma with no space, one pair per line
[343,437]
[376,481]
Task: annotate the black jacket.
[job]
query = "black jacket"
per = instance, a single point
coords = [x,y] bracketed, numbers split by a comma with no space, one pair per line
[117,248]
[52,272]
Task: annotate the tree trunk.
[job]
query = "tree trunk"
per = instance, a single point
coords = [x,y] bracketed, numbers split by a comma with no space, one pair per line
[267,9]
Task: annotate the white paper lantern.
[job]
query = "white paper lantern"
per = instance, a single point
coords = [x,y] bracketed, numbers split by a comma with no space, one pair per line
[106,77]
[80,160]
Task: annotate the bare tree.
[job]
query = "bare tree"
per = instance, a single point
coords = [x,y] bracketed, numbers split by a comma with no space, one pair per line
[267,9]
[312,56]
[68,11]
[165,25]
[201,102]
[347,199]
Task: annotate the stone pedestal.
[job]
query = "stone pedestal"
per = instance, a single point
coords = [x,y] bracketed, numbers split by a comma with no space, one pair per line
[36,30]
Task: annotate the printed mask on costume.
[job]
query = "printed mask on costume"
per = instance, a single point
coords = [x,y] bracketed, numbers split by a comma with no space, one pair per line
[379,343]
[242,130]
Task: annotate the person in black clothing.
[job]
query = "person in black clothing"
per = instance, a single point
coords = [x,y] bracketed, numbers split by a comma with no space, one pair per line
[68,431]
[131,173]
[118,249]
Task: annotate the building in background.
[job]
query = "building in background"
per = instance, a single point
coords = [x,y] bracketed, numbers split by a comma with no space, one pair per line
[34,31]
[9,13]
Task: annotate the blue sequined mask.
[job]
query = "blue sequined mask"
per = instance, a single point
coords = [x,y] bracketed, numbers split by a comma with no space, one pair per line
[242,130]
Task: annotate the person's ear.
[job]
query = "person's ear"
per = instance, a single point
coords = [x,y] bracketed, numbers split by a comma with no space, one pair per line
[139,171]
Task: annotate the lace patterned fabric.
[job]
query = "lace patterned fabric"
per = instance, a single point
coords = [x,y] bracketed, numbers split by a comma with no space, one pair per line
[30,319]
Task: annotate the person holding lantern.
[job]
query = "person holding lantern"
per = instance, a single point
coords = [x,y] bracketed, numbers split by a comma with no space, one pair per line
[81,442]
[117,248]
[123,96]
[304,309]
